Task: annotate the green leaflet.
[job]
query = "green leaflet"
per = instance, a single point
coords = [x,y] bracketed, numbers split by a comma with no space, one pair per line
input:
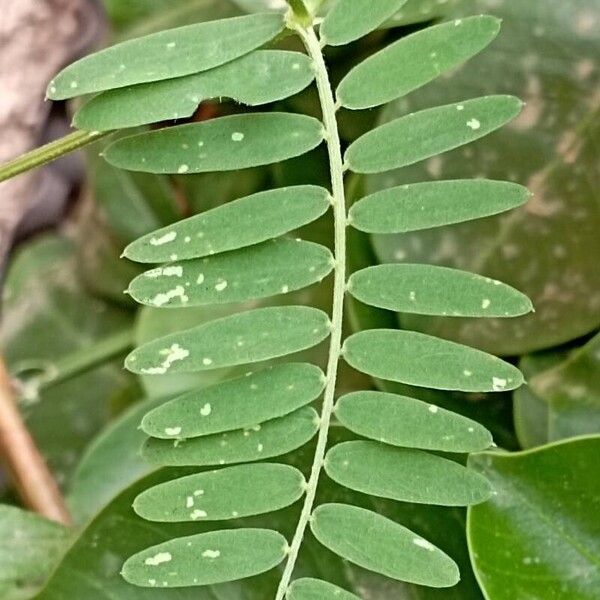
[224,144]
[432,290]
[415,60]
[206,558]
[406,475]
[260,77]
[262,441]
[269,269]
[410,423]
[378,544]
[434,204]
[541,526]
[240,223]
[421,360]
[420,135]
[242,338]
[314,589]
[230,493]
[237,403]
[165,55]
[349,20]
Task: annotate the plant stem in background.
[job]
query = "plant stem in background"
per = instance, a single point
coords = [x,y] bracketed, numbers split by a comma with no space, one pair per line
[332,138]
[49,152]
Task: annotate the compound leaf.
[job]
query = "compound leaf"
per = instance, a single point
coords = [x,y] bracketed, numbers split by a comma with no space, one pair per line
[315,589]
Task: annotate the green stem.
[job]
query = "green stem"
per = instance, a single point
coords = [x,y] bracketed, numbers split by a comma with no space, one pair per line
[49,152]
[301,13]
[328,107]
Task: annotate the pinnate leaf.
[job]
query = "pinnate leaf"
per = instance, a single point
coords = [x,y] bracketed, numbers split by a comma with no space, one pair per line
[402,474]
[242,338]
[434,204]
[237,403]
[415,60]
[269,269]
[230,493]
[257,78]
[410,423]
[315,589]
[273,438]
[238,224]
[223,144]
[349,20]
[425,361]
[424,134]
[165,55]
[380,545]
[206,558]
[432,290]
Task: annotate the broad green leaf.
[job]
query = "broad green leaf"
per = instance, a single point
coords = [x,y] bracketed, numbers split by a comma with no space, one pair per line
[237,403]
[418,11]
[420,135]
[349,20]
[238,224]
[410,423]
[260,77]
[230,493]
[415,60]
[378,544]
[421,360]
[434,204]
[165,55]
[405,475]
[275,267]
[315,589]
[272,438]
[223,144]
[207,558]
[30,548]
[242,338]
[431,290]
[539,536]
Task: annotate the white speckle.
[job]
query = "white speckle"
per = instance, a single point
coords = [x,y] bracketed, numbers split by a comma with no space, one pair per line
[498,384]
[165,239]
[485,303]
[199,493]
[74,84]
[200,279]
[413,296]
[467,373]
[189,502]
[172,272]
[285,289]
[211,554]
[423,544]
[172,354]
[206,410]
[152,582]
[183,169]
[433,408]
[235,513]
[474,124]
[471,429]
[161,557]
[171,45]
[164,298]
[187,239]
[221,286]
[207,361]
[173,430]
[260,448]
[296,66]
[460,107]
[173,257]
[198,514]
[53,89]
[237,136]
[457,22]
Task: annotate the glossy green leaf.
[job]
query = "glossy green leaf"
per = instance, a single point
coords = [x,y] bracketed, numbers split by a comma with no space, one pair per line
[242,338]
[410,423]
[378,544]
[237,403]
[207,558]
[265,440]
[431,290]
[260,77]
[315,589]
[539,536]
[223,144]
[349,20]
[434,204]
[165,55]
[422,360]
[230,493]
[415,60]
[276,267]
[430,132]
[405,475]
[240,223]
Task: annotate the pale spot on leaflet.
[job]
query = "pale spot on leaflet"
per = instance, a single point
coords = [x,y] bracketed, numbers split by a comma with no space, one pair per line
[423,544]
[173,430]
[486,303]
[433,408]
[206,410]
[498,384]
[165,239]
[161,557]
[237,136]
[183,169]
[198,514]
[474,124]
[211,554]
[221,286]
[207,361]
